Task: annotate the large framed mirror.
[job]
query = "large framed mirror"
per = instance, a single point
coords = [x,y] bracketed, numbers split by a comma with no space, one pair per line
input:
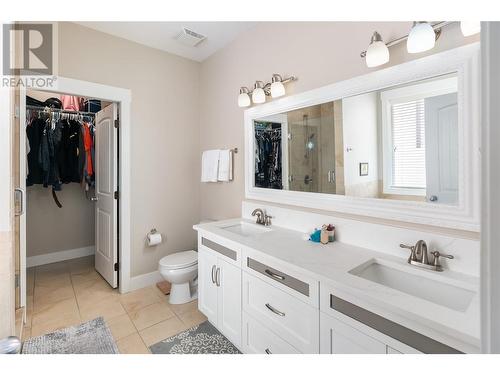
[400,143]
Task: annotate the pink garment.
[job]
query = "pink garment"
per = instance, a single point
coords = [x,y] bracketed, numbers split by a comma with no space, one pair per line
[72,103]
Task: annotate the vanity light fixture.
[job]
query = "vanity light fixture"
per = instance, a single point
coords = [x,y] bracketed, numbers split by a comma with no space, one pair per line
[258,94]
[470,27]
[421,38]
[243,98]
[275,89]
[377,52]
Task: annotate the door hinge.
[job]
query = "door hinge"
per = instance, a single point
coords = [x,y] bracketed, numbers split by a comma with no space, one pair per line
[16,281]
[116,194]
[116,266]
[117,123]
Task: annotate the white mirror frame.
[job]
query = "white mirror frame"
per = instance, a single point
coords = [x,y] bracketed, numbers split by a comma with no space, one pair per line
[464,61]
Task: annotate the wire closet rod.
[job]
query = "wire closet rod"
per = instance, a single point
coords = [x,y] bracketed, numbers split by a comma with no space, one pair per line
[48,109]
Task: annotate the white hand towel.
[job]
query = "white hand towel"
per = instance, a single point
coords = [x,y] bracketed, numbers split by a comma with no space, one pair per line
[210,165]
[225,166]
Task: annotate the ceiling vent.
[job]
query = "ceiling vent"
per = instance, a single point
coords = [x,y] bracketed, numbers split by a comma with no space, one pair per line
[190,37]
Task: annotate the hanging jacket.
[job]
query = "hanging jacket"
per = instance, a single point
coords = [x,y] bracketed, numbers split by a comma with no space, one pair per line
[70,152]
[34,133]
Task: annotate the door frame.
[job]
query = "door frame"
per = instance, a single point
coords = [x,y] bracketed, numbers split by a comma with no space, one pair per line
[123,98]
[490,201]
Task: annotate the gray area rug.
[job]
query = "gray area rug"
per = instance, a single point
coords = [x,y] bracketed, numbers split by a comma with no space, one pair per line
[92,337]
[201,339]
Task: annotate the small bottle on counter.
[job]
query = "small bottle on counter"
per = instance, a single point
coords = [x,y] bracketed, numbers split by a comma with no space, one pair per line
[324,235]
[331,232]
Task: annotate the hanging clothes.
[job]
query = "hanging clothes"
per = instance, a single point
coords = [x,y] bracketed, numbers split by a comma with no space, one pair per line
[72,103]
[34,134]
[88,143]
[268,168]
[70,152]
[59,151]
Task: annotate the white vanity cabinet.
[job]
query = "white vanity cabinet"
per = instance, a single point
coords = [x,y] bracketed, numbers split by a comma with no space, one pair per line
[219,288]
[280,308]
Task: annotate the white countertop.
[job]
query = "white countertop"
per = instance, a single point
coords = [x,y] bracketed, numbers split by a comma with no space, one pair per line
[331,264]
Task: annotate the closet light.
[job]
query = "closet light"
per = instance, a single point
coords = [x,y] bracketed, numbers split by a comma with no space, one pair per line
[243,98]
[377,52]
[470,27]
[421,38]
[258,94]
[277,87]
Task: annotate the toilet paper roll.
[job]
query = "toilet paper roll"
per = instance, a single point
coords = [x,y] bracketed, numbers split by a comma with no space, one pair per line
[154,239]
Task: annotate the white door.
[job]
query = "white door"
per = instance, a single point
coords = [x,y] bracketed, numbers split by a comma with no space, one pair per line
[106,183]
[441,148]
[207,288]
[229,305]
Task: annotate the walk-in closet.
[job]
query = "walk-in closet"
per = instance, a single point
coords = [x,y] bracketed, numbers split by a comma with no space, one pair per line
[71,222]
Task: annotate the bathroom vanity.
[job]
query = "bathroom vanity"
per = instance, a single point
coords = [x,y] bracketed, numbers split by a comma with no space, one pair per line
[270,291]
[390,158]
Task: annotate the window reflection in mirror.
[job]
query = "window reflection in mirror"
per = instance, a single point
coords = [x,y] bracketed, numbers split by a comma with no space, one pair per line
[395,143]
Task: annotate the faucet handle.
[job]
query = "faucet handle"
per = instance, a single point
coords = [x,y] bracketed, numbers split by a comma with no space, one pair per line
[438,255]
[412,257]
[404,246]
[267,220]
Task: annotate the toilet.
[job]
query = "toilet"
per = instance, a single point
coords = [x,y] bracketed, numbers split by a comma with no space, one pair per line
[181,271]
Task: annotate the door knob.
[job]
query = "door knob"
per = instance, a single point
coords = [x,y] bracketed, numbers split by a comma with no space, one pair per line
[433,198]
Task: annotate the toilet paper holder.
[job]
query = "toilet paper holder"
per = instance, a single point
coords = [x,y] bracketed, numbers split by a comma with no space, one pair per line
[154,238]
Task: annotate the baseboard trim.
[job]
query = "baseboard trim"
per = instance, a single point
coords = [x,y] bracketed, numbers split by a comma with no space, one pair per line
[59,256]
[142,281]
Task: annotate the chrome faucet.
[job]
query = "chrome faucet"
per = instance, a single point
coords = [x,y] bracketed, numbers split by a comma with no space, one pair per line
[420,257]
[262,217]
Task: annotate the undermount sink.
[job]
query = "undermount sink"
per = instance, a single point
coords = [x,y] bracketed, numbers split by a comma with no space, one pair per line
[415,283]
[246,229]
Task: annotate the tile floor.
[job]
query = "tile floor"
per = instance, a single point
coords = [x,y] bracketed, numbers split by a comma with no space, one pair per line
[71,292]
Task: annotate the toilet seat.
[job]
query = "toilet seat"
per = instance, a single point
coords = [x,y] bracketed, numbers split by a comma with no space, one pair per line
[179,260]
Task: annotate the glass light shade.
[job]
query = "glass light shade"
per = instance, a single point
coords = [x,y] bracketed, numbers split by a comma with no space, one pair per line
[377,54]
[258,95]
[277,89]
[243,100]
[422,38]
[470,27]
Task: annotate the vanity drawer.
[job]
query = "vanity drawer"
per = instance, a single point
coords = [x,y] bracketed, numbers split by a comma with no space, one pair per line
[393,334]
[291,319]
[260,340]
[282,277]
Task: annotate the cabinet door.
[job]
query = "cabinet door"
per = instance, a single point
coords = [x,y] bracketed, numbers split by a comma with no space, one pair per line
[229,306]
[207,288]
[337,337]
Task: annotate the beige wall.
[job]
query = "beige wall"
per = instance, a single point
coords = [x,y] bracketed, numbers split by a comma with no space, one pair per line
[50,228]
[165,143]
[318,53]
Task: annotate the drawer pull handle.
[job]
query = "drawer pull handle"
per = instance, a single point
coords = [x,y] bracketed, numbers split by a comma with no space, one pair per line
[274,275]
[277,312]
[268,351]
[213,270]
[217,277]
